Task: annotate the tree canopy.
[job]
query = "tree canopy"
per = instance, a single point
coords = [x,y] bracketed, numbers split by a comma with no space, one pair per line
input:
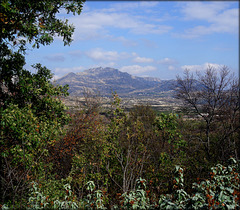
[36,21]
[31,112]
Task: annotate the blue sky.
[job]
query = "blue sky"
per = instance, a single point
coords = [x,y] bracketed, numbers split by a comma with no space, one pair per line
[156,38]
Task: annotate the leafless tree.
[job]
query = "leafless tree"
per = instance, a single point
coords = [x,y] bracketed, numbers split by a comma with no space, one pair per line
[214,96]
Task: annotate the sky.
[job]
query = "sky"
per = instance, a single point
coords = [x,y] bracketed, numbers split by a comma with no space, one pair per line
[147,38]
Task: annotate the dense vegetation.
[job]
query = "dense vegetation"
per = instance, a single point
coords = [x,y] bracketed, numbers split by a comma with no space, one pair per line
[101,161]
[52,157]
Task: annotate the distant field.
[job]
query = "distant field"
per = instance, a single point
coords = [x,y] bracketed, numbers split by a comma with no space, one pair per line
[160,104]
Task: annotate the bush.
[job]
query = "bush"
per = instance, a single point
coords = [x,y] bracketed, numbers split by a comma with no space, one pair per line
[221,191]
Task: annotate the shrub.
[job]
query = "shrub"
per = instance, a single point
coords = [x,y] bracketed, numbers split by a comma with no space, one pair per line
[221,191]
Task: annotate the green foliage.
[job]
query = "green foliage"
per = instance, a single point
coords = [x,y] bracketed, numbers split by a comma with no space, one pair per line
[220,192]
[86,135]
[24,22]
[113,151]
[167,124]
[31,120]
[136,199]
[39,201]
[32,115]
[94,199]
[36,90]
[36,21]
[128,138]
[135,141]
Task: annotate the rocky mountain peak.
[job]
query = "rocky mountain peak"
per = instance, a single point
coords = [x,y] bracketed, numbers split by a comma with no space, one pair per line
[104,72]
[109,79]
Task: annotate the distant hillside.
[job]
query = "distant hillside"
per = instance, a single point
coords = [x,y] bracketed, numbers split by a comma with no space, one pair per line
[106,80]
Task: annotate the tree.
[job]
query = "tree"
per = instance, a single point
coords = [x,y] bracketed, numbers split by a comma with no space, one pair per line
[33,22]
[214,96]
[129,140]
[141,143]
[31,113]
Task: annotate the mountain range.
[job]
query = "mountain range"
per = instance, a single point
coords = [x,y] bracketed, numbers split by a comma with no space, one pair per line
[107,80]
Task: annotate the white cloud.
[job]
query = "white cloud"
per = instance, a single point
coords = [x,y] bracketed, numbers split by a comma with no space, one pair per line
[227,21]
[55,77]
[146,4]
[123,6]
[171,68]
[217,17]
[103,64]
[136,69]
[123,40]
[202,67]
[98,54]
[97,24]
[61,71]
[150,29]
[142,60]
[167,61]
[101,55]
[202,10]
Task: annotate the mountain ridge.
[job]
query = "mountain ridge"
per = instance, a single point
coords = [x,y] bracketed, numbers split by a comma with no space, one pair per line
[105,80]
